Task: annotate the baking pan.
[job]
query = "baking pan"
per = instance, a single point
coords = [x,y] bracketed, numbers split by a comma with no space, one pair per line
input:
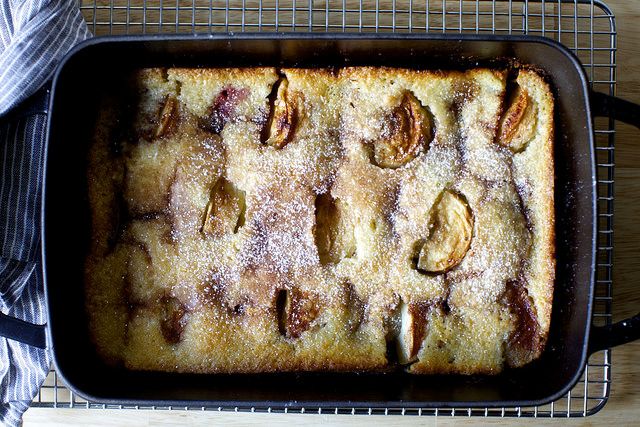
[98,65]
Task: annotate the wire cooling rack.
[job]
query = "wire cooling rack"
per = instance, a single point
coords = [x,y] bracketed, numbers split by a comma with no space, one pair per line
[585,26]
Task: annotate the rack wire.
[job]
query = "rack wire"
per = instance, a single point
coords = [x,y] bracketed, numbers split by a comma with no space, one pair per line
[585,26]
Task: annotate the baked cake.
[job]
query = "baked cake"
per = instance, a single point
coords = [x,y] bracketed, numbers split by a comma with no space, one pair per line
[353,219]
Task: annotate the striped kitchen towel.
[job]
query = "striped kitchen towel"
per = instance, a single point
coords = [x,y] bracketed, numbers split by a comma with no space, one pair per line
[34,35]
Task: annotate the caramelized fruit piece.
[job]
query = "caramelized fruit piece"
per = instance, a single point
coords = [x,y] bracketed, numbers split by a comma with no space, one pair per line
[354,308]
[296,311]
[518,124]
[450,236]
[413,324]
[333,230]
[168,116]
[225,211]
[283,119]
[410,131]
[173,319]
[223,109]
[525,341]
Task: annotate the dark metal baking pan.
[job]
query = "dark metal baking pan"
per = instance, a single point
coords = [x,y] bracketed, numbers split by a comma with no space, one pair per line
[92,68]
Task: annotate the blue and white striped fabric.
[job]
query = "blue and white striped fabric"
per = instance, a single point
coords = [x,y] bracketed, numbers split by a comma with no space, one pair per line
[34,35]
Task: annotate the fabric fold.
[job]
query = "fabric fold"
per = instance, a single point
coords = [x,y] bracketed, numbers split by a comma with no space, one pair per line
[40,34]
[34,36]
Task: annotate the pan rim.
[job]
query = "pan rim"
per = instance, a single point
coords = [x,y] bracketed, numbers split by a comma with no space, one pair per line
[333,37]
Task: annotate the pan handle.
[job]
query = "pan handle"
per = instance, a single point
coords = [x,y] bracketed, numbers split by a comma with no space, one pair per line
[22,331]
[603,337]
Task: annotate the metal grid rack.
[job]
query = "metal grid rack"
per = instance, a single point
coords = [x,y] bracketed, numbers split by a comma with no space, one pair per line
[585,26]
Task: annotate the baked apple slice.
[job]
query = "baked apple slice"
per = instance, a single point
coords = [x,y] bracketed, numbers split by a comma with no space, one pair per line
[409,132]
[168,116]
[225,211]
[413,324]
[450,237]
[354,308]
[518,124]
[283,119]
[173,319]
[297,310]
[333,231]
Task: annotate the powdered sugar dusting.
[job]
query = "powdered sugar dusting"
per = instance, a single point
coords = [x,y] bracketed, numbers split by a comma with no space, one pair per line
[250,293]
[281,240]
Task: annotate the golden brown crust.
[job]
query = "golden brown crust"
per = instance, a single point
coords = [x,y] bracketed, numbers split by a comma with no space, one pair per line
[534,167]
[256,220]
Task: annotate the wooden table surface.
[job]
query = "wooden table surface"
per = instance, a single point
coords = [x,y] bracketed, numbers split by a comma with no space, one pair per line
[623,407]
